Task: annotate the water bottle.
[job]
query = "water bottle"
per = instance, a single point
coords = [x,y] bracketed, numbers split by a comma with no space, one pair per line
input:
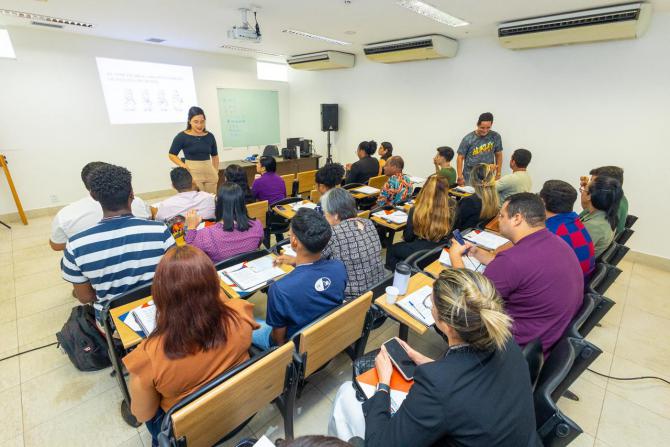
[401,277]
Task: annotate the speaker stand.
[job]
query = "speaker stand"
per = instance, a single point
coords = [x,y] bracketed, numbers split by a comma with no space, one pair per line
[329,158]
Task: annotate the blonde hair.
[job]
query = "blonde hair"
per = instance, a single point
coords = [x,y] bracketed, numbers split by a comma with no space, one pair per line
[433,214]
[483,178]
[468,302]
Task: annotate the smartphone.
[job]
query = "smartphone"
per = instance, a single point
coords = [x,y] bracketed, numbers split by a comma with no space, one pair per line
[400,359]
[459,237]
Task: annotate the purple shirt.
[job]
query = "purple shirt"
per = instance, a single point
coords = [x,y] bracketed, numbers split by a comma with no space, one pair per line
[270,187]
[220,244]
[542,284]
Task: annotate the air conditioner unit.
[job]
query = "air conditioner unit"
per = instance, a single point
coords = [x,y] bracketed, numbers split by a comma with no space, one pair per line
[325,60]
[433,46]
[593,25]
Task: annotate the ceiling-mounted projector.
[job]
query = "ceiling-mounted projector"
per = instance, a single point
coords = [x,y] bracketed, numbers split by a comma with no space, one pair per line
[245,31]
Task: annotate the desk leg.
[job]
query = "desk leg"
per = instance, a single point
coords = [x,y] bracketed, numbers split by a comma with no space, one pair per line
[403,332]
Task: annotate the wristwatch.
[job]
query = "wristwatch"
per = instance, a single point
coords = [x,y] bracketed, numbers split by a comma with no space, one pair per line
[383,387]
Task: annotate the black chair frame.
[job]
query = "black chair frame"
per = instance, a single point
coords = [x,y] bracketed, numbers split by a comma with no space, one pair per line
[274,223]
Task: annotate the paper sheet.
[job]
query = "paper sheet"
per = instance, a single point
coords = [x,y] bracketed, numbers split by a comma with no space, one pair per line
[413,305]
[288,251]
[303,204]
[145,316]
[396,217]
[369,190]
[465,189]
[486,239]
[469,262]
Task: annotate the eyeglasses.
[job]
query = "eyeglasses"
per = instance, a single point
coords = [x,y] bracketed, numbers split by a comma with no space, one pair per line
[428,302]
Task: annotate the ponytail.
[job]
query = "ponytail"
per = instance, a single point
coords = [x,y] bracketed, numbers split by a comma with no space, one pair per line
[606,194]
[468,302]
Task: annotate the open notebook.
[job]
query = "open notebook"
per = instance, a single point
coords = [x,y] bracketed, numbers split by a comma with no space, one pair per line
[304,204]
[413,305]
[141,319]
[469,262]
[393,216]
[367,190]
[486,239]
[253,274]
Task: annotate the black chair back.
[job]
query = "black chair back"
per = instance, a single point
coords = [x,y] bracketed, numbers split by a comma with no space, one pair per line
[532,352]
[601,305]
[619,254]
[585,354]
[352,185]
[611,275]
[411,259]
[427,258]
[630,221]
[607,254]
[588,305]
[249,256]
[623,237]
[553,427]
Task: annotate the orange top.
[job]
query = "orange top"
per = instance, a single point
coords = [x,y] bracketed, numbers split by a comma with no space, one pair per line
[175,379]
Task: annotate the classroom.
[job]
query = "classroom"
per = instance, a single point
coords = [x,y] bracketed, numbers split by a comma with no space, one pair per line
[333,223]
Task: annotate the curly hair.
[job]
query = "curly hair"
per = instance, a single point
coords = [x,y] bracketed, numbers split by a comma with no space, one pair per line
[111,186]
[330,175]
[86,171]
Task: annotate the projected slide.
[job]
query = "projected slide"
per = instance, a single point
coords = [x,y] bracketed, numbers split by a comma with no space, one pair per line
[145,92]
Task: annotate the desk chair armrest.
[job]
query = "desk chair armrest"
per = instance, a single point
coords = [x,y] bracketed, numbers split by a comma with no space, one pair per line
[275,248]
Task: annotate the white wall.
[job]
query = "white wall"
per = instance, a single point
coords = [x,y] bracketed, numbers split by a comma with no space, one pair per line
[53,118]
[574,107]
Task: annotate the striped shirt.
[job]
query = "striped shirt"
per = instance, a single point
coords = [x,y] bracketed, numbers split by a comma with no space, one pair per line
[116,255]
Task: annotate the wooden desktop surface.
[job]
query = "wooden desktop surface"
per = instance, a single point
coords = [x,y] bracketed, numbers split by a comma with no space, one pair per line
[416,282]
[286,211]
[231,293]
[292,166]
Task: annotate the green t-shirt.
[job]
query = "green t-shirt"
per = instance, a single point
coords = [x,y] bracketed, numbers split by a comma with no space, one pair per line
[449,173]
[599,229]
[622,215]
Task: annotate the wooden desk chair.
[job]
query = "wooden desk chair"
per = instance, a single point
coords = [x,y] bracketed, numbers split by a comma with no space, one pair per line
[220,408]
[259,211]
[314,196]
[378,181]
[116,350]
[289,180]
[364,214]
[333,333]
[306,181]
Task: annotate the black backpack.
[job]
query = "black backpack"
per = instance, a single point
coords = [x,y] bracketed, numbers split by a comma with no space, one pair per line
[82,341]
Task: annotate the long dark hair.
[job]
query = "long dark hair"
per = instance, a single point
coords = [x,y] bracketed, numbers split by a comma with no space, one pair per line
[230,208]
[190,314]
[235,174]
[605,195]
[388,147]
[194,111]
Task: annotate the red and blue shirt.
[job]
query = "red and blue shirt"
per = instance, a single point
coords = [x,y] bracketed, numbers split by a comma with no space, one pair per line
[572,230]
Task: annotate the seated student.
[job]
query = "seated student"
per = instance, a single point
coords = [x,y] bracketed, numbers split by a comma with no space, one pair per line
[329,177]
[235,174]
[119,253]
[367,166]
[313,288]
[519,180]
[269,186]
[85,213]
[385,152]
[442,162]
[483,205]
[398,188]
[234,231]
[616,173]
[187,198]
[600,202]
[477,394]
[354,241]
[428,222]
[539,278]
[559,198]
[198,336]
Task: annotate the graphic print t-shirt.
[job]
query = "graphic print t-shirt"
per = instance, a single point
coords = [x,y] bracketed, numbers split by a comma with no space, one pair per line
[478,149]
[305,294]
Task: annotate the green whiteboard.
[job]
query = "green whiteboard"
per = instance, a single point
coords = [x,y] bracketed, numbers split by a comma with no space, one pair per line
[248,117]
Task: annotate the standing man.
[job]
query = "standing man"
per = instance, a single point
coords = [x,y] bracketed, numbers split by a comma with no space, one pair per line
[482,145]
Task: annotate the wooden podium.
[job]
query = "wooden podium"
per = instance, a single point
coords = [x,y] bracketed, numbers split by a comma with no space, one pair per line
[17,201]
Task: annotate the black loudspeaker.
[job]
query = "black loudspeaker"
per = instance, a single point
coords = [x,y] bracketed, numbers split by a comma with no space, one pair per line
[329,114]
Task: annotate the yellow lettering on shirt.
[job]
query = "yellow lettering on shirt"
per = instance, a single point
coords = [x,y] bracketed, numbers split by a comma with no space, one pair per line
[488,147]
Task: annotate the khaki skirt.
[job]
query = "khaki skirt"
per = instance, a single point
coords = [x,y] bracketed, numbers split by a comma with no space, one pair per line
[204,175]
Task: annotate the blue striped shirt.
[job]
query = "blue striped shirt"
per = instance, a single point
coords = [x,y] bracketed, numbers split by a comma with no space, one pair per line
[116,255]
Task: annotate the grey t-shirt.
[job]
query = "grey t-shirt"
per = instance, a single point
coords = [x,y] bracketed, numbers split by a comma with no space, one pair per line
[478,149]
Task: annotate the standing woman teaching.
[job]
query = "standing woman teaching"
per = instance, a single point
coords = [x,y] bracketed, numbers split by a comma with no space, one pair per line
[200,153]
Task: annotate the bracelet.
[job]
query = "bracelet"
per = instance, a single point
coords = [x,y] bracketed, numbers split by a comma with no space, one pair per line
[383,387]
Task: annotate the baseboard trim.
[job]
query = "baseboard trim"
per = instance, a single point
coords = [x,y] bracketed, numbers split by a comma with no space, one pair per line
[13,218]
[654,261]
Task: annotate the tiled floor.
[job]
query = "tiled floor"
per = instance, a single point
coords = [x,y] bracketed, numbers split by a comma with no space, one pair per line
[46,402]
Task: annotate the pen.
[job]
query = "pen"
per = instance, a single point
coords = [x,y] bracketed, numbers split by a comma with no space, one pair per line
[416,308]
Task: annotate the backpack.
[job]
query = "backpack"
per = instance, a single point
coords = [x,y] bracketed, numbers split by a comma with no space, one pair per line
[82,341]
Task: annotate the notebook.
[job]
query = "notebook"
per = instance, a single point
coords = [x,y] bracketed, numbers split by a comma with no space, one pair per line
[469,262]
[416,180]
[393,216]
[369,190]
[486,239]
[253,274]
[141,319]
[304,204]
[465,189]
[399,386]
[413,305]
[288,251]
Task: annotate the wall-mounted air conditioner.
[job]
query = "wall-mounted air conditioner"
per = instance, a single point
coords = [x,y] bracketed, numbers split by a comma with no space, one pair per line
[412,49]
[324,60]
[610,23]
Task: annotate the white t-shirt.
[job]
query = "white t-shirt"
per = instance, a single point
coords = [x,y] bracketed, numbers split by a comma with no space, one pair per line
[180,203]
[83,214]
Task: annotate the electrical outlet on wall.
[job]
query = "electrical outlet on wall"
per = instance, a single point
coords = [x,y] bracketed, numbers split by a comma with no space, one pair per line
[53,198]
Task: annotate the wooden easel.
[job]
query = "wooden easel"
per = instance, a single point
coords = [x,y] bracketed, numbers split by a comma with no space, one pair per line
[19,207]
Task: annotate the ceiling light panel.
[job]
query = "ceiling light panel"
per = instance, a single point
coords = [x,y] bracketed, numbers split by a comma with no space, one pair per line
[43,18]
[316,37]
[431,12]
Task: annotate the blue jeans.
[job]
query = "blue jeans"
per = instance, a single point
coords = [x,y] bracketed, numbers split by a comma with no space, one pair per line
[261,336]
[154,426]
